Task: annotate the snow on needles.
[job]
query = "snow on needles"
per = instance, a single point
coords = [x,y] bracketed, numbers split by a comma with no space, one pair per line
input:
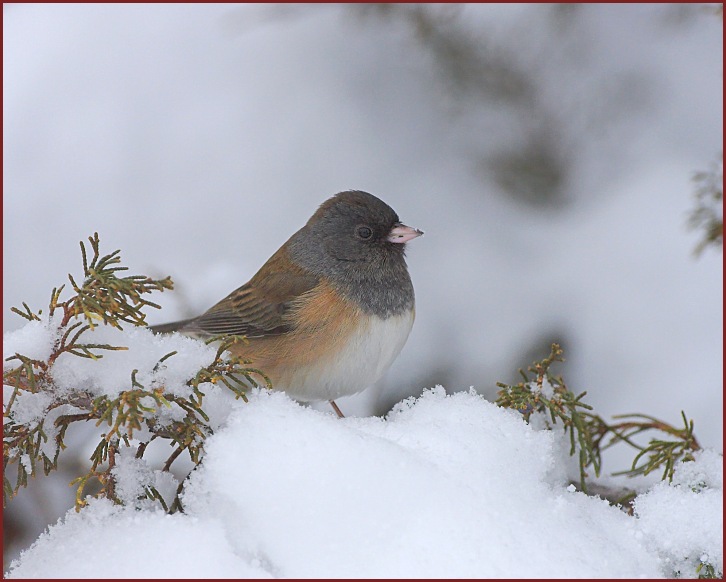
[445,486]
[144,351]
[141,351]
[108,375]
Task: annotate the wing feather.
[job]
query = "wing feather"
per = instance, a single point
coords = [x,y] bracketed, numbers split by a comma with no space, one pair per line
[263,306]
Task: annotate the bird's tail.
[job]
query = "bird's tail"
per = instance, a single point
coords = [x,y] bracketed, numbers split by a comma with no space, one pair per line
[170,327]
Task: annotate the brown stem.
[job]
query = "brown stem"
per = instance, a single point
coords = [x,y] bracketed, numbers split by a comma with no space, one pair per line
[172,458]
[111,481]
[141,450]
[69,418]
[176,505]
[142,447]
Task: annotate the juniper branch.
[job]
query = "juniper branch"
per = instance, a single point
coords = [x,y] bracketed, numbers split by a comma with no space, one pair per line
[589,434]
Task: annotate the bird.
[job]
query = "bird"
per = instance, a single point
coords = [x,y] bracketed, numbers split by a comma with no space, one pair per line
[330,310]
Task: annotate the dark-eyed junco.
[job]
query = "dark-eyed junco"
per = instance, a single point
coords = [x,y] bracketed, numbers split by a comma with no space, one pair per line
[329,312]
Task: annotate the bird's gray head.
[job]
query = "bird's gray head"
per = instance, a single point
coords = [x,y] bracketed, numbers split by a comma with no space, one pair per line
[358,241]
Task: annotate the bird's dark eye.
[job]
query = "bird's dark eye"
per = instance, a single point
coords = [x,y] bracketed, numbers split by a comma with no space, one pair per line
[364,232]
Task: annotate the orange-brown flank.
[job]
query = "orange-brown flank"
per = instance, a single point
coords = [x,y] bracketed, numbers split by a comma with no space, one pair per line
[321,322]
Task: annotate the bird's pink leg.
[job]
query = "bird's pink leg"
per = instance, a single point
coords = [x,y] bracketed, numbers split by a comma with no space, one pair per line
[337,410]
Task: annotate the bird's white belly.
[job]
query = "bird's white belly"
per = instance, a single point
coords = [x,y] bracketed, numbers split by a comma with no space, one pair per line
[364,356]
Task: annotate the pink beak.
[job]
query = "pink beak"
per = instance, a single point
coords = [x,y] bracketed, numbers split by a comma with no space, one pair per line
[400,233]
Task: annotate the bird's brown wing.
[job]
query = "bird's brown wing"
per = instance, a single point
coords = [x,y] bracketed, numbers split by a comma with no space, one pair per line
[262,306]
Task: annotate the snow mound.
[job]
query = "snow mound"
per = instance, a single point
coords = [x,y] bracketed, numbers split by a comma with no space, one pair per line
[445,486]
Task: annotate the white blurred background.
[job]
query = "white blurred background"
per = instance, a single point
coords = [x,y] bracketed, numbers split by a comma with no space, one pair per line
[548,152]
